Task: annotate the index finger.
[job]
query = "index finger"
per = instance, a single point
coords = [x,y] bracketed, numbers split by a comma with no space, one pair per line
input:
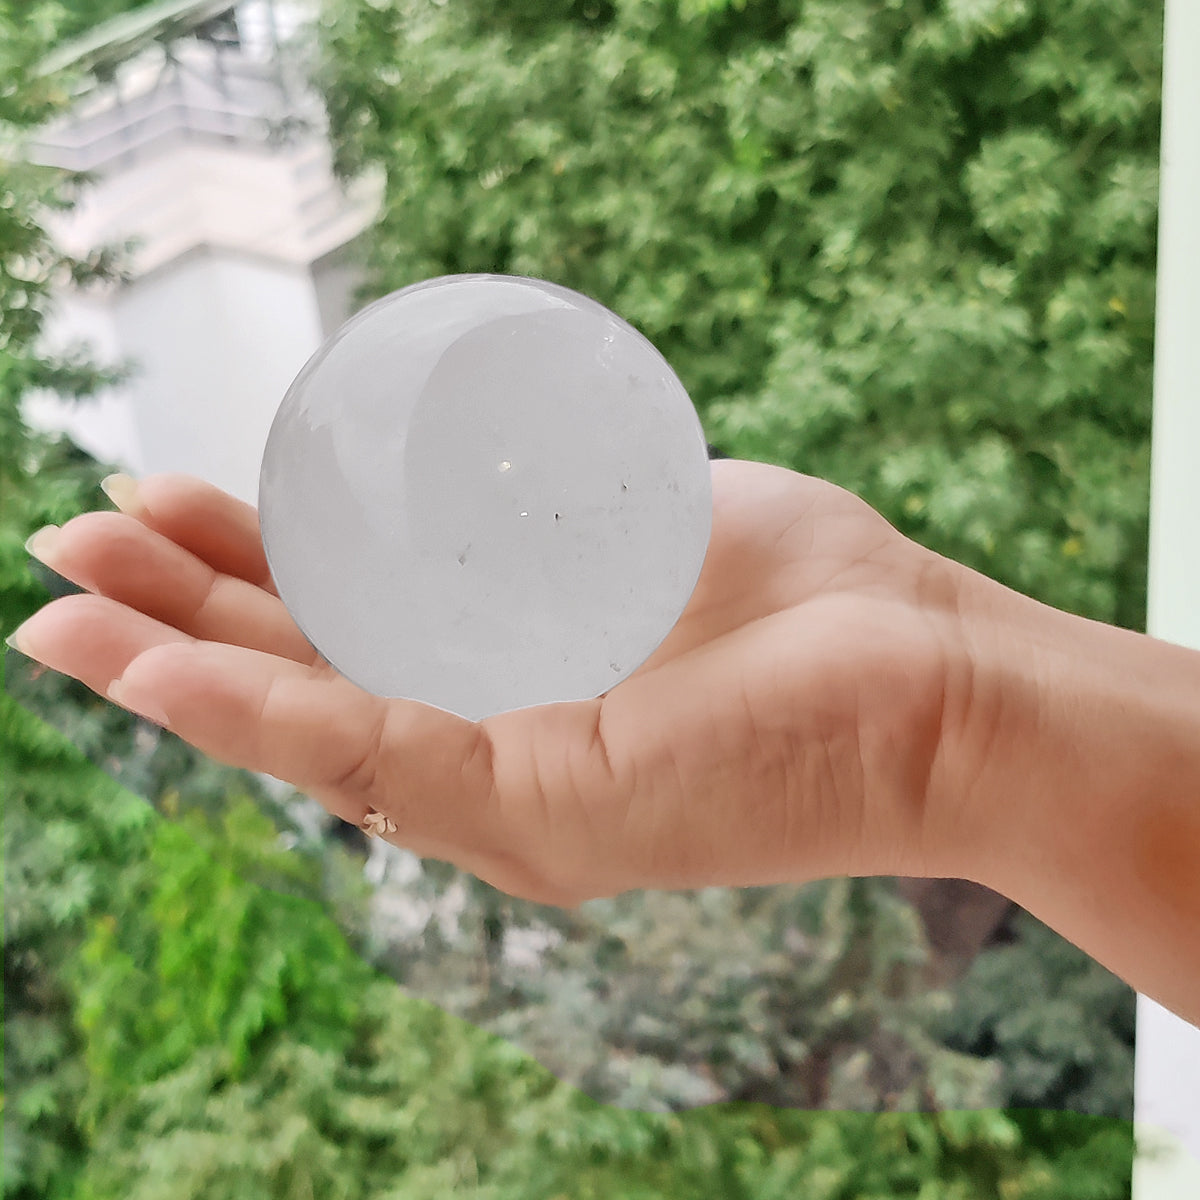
[216,527]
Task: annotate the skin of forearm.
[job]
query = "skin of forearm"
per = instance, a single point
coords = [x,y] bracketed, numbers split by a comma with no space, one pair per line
[1073,784]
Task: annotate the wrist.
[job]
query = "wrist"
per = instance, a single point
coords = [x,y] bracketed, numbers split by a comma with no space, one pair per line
[1073,782]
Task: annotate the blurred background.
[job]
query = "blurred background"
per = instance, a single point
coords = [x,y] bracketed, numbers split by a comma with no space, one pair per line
[905,245]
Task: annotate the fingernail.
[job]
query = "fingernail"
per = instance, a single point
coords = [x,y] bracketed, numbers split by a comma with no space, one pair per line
[41,545]
[123,492]
[14,642]
[142,706]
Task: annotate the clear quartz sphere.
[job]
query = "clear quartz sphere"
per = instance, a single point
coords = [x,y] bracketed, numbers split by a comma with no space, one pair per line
[486,492]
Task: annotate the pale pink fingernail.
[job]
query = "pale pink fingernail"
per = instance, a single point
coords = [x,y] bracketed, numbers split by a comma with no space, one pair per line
[123,492]
[43,545]
[19,641]
[129,697]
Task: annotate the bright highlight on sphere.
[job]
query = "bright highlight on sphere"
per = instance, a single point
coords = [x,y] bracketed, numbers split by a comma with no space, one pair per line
[486,492]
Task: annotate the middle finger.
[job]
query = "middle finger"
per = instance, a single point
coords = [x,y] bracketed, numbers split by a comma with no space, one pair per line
[117,556]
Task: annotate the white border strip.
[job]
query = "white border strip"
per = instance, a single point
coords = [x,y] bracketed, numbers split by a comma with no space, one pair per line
[1167,1073]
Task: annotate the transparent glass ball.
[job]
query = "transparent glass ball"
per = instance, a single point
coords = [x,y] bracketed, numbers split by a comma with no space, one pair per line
[486,492]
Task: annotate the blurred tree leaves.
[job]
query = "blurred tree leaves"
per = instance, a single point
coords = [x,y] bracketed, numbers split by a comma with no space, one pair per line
[67,832]
[1066,1044]
[904,244]
[205,1037]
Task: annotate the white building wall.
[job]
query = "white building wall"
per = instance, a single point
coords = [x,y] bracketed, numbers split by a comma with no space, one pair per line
[213,339]
[237,267]
[217,338]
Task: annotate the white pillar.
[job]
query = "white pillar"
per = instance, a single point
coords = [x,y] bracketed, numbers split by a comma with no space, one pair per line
[1167,1073]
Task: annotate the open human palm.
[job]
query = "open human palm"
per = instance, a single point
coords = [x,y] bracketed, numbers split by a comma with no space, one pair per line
[789,727]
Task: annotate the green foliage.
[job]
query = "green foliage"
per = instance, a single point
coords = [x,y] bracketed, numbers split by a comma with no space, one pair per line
[68,834]
[225,1042]
[197,956]
[809,998]
[58,857]
[905,246]
[27,32]
[32,27]
[1063,1040]
[47,480]
[79,16]
[309,1077]
[42,480]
